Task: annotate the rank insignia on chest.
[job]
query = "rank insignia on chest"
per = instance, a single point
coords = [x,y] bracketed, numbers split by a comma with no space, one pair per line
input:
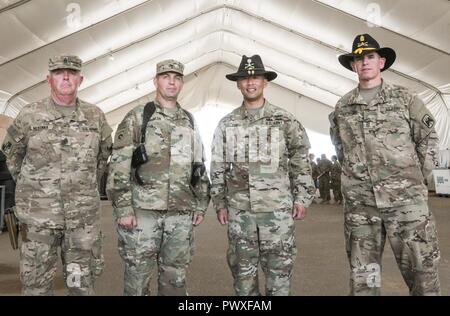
[428,121]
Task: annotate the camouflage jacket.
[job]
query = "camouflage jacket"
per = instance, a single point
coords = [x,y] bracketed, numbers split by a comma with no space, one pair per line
[172,146]
[335,173]
[57,162]
[324,167]
[386,148]
[315,170]
[260,162]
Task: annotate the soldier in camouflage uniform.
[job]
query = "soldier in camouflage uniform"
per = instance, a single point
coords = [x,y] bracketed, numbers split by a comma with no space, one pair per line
[315,170]
[156,205]
[314,174]
[318,173]
[336,180]
[56,151]
[324,166]
[386,142]
[261,182]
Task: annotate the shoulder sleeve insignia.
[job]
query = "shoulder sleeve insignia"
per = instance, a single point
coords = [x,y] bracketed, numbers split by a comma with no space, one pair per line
[7,148]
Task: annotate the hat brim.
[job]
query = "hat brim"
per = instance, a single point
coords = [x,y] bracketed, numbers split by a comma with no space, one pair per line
[64,67]
[270,75]
[174,71]
[385,52]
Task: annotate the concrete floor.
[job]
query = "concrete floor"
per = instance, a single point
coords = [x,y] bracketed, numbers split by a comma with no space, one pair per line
[321,267]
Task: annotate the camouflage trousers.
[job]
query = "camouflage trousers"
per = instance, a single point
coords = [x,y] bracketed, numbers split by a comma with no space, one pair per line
[261,237]
[163,239]
[412,234]
[324,188]
[81,255]
[336,187]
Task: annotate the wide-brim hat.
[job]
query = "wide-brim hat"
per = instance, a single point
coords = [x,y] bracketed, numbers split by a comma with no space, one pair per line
[365,44]
[251,66]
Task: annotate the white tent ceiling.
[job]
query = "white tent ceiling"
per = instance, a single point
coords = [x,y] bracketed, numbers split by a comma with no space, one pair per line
[121,42]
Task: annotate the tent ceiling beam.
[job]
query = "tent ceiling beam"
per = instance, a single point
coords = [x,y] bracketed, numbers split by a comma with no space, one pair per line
[382,27]
[14,5]
[76,32]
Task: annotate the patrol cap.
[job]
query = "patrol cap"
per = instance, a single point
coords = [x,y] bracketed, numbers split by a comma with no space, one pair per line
[169,65]
[65,62]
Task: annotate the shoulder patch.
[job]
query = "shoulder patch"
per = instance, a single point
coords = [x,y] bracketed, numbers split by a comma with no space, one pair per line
[123,136]
[6,148]
[428,121]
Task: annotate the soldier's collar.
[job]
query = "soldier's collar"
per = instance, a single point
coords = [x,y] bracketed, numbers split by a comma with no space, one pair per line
[158,107]
[264,111]
[54,111]
[383,91]
[356,97]
[176,114]
[161,108]
[76,104]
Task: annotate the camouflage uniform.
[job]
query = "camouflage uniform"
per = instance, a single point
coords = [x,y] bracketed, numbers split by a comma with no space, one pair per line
[164,205]
[259,168]
[324,166]
[57,161]
[336,181]
[387,148]
[315,173]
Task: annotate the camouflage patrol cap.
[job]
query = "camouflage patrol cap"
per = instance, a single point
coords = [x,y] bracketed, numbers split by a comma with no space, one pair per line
[170,65]
[65,62]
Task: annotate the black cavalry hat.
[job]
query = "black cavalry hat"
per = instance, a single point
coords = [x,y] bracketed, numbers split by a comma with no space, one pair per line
[251,66]
[364,44]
